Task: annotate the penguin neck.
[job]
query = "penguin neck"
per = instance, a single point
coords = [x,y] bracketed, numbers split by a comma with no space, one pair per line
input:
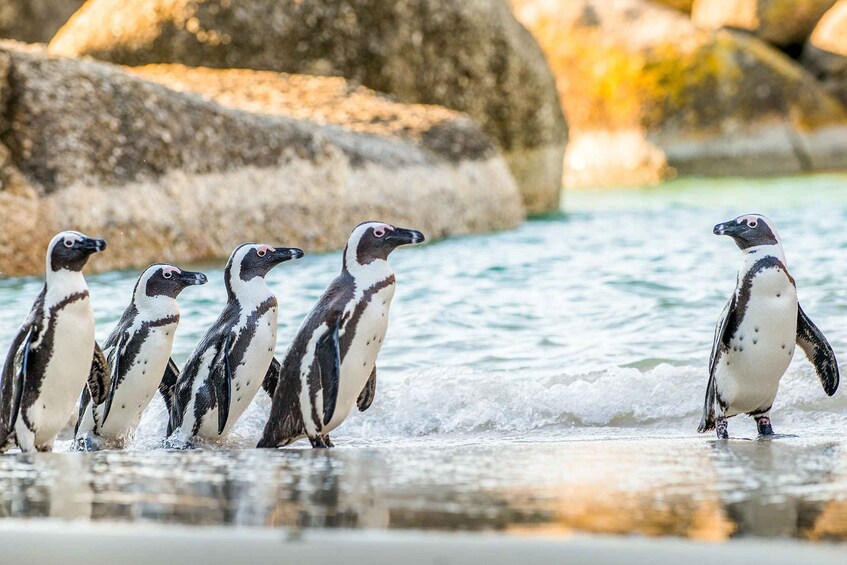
[249,293]
[367,275]
[62,283]
[154,307]
[755,253]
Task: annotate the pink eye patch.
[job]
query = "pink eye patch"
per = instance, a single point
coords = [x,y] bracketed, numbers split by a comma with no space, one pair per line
[169,271]
[263,250]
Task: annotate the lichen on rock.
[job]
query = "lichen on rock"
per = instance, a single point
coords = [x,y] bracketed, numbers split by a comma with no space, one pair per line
[649,96]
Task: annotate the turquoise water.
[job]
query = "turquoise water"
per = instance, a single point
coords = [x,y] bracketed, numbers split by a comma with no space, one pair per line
[591,325]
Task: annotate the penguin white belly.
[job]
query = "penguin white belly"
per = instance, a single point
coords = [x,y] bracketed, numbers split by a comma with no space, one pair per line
[761,350]
[66,372]
[247,376]
[140,383]
[358,363]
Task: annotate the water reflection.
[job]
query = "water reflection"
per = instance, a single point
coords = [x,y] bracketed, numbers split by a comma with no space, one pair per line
[696,489]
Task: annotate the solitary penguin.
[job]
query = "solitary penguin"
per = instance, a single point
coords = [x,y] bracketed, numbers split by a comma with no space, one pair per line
[755,337]
[138,355]
[331,364]
[228,366]
[51,356]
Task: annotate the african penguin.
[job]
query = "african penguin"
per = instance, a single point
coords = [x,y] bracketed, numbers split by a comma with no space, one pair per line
[331,364]
[138,357]
[228,366]
[755,337]
[51,356]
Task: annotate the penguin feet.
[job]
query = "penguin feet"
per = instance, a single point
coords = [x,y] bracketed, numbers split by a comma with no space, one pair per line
[721,428]
[321,442]
[763,424]
[89,442]
[178,444]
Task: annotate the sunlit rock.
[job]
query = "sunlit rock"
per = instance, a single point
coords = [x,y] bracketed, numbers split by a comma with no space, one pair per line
[649,96]
[781,22]
[825,54]
[470,56]
[177,176]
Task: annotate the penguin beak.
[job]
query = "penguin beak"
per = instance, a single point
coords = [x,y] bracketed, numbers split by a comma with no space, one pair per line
[402,236]
[730,228]
[91,245]
[282,254]
[188,278]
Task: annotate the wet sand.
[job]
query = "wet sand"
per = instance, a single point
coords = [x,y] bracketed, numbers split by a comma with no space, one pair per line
[83,544]
[684,487]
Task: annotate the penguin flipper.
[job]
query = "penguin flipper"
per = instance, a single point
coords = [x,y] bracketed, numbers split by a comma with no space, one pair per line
[222,383]
[14,379]
[366,397]
[167,388]
[707,421]
[98,376]
[328,353]
[819,352]
[271,377]
[115,376]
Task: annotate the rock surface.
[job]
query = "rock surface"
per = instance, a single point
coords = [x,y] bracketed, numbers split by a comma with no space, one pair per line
[649,96]
[34,21]
[468,55]
[781,22]
[173,176]
[681,5]
[825,54]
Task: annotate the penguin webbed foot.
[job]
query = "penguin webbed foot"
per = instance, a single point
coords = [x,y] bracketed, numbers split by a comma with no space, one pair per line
[178,444]
[88,442]
[721,430]
[763,425]
[321,442]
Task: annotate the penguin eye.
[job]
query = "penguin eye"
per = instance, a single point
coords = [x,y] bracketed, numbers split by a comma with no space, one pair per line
[261,252]
[167,274]
[379,232]
[69,243]
[752,223]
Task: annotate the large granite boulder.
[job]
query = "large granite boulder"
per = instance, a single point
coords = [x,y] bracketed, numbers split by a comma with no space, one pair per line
[34,20]
[649,96]
[781,22]
[468,55]
[825,54]
[168,175]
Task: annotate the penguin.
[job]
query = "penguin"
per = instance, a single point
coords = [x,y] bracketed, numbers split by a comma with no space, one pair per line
[331,364]
[758,329]
[138,358]
[226,369]
[51,356]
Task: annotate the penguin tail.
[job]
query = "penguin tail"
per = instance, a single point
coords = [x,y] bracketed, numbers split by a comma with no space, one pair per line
[706,425]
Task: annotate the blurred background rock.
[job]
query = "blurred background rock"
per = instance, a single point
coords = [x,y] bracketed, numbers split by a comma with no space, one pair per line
[291,119]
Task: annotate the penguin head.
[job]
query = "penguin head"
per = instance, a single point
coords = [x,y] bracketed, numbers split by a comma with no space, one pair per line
[250,260]
[750,230]
[166,280]
[372,241]
[69,250]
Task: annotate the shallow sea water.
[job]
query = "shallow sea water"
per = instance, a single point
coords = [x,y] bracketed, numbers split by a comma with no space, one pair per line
[547,379]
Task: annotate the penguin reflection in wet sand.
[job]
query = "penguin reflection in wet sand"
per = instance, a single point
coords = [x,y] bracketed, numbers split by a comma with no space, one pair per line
[138,354]
[332,363]
[228,366]
[51,356]
[755,337]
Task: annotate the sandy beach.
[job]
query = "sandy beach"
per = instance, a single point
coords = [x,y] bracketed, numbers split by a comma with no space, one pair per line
[73,544]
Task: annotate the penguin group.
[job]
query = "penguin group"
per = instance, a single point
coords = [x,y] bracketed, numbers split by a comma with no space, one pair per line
[55,370]
[54,364]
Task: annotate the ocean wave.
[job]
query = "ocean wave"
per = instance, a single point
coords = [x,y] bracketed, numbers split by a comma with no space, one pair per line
[450,401]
